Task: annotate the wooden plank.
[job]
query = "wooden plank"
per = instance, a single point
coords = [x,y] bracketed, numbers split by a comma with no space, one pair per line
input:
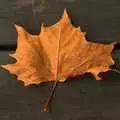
[77,99]
[101,16]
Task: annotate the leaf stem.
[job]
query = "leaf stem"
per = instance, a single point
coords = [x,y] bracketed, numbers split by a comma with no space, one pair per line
[47,105]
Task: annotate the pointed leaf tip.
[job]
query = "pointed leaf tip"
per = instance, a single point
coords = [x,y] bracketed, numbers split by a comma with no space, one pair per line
[17,27]
[42,25]
[65,15]
[20,30]
[65,11]
[78,28]
[42,28]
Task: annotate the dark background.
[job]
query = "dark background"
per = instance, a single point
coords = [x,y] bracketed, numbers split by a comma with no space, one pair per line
[78,99]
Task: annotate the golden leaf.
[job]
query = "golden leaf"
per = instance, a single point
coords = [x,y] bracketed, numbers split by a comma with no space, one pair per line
[58,52]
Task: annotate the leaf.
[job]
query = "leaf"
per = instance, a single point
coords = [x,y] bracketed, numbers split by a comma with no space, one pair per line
[58,52]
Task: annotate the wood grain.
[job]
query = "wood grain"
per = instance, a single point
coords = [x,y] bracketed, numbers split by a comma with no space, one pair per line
[102,17]
[80,99]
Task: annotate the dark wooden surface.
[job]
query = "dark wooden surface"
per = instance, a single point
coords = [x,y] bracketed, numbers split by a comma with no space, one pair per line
[101,16]
[78,99]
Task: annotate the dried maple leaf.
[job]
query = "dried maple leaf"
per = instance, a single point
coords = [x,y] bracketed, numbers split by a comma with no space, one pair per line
[58,52]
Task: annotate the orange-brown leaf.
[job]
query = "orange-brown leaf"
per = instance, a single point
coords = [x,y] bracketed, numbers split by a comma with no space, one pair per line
[58,52]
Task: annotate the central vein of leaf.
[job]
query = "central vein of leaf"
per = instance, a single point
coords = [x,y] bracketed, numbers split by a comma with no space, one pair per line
[58,52]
